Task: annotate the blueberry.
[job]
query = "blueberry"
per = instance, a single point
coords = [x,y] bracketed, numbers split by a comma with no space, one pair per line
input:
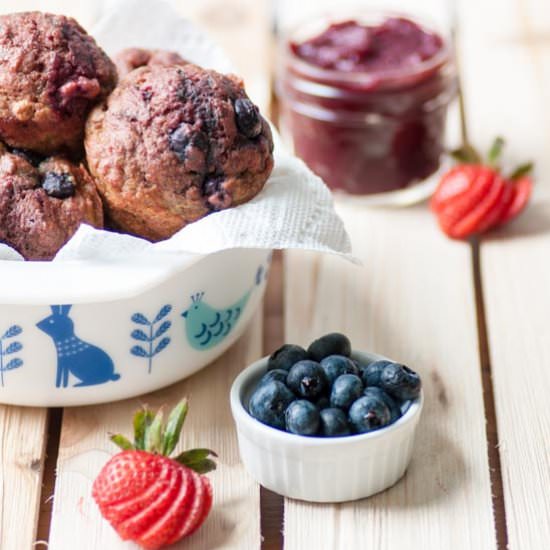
[400,381]
[269,402]
[307,379]
[336,365]
[302,418]
[369,413]
[371,373]
[59,186]
[30,156]
[248,118]
[286,356]
[334,423]
[185,140]
[395,410]
[346,389]
[323,403]
[213,188]
[330,344]
[276,374]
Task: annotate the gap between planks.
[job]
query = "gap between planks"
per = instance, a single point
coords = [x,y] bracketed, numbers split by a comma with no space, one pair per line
[272,504]
[53,434]
[491,426]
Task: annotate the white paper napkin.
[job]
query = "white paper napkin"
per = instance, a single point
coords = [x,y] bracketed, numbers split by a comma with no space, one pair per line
[294,210]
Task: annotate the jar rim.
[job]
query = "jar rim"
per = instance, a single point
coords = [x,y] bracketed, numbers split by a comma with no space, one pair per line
[362,79]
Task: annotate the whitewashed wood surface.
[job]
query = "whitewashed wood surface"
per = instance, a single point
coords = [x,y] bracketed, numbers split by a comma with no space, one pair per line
[505,51]
[413,301]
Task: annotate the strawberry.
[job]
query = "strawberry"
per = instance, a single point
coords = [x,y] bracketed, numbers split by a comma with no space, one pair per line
[473,197]
[148,497]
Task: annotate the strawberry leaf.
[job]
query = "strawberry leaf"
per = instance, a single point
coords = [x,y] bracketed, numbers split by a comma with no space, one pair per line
[495,152]
[174,426]
[466,155]
[120,441]
[142,420]
[197,460]
[521,170]
[153,435]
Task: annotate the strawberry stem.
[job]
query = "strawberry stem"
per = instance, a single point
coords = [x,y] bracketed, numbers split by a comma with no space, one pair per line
[493,157]
[174,426]
[142,420]
[466,155]
[122,442]
[153,435]
[521,170]
[197,459]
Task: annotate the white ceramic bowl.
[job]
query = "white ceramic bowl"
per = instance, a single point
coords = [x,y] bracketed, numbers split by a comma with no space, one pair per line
[56,354]
[319,469]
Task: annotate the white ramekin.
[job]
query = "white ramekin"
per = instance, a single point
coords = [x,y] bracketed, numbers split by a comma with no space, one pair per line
[319,469]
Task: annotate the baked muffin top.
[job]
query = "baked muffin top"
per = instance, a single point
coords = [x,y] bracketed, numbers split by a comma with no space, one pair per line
[43,201]
[174,143]
[51,73]
[132,58]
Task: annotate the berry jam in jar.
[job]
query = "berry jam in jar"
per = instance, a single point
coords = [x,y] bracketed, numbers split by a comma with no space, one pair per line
[364,101]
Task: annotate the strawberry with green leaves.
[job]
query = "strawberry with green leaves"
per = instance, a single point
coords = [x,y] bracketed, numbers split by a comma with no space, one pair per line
[148,497]
[474,196]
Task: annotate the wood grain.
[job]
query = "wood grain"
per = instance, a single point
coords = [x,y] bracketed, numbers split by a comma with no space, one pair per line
[507,85]
[412,301]
[22,446]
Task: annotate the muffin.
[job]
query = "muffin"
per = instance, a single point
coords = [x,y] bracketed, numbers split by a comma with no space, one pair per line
[51,74]
[132,58]
[173,144]
[43,201]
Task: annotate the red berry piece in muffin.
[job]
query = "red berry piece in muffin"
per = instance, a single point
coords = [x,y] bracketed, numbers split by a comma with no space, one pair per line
[51,74]
[43,202]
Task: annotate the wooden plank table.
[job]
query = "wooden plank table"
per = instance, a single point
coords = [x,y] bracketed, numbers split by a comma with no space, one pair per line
[471,317]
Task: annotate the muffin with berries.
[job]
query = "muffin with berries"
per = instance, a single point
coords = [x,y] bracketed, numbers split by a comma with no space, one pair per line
[173,144]
[43,201]
[132,58]
[51,74]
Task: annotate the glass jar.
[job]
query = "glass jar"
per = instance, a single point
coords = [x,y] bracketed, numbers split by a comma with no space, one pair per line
[378,133]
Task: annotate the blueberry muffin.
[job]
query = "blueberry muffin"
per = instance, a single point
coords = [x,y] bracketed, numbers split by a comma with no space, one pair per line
[43,201]
[173,144]
[51,74]
[132,58]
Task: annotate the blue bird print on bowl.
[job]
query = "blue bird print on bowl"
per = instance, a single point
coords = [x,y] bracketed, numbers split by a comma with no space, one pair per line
[207,326]
[86,362]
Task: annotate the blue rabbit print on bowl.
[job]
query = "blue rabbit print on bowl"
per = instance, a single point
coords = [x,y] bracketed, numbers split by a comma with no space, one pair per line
[153,335]
[86,362]
[124,344]
[206,326]
[9,347]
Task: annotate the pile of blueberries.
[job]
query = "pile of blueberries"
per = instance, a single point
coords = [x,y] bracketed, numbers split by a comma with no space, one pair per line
[324,392]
